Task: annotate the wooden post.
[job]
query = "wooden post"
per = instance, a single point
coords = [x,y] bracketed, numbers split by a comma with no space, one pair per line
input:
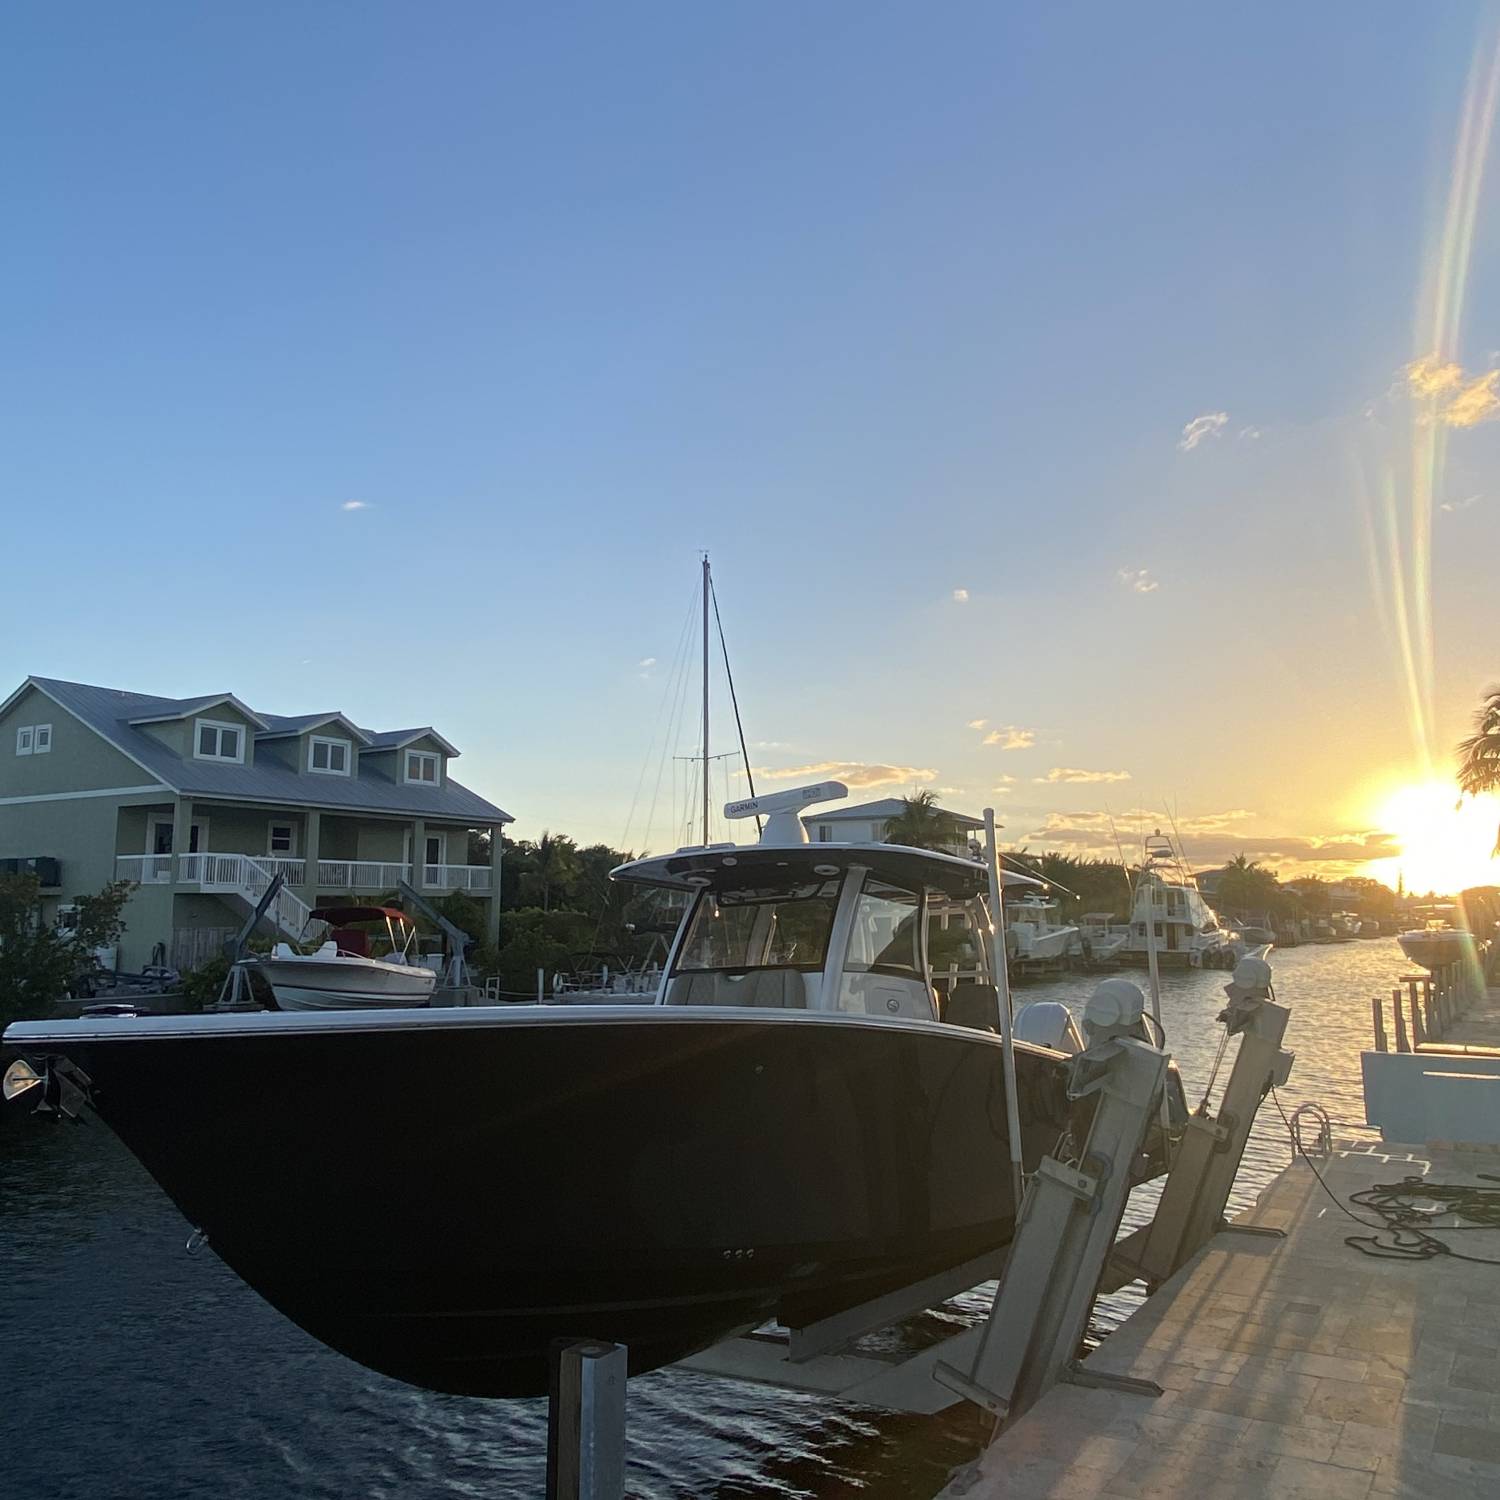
[1418,1036]
[1377,1011]
[1402,1045]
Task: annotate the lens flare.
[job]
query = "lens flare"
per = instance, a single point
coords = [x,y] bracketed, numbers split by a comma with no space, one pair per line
[1445,844]
[1400,547]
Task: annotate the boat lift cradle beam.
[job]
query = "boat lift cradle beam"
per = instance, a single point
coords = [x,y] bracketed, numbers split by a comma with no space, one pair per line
[456,970]
[1196,1193]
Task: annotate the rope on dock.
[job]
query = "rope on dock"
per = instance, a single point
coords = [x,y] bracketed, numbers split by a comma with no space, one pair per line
[1399,1236]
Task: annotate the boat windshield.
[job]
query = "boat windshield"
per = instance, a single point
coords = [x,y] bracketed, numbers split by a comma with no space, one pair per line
[784,927]
[886,932]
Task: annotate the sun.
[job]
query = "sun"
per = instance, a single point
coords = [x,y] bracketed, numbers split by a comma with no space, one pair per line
[1445,844]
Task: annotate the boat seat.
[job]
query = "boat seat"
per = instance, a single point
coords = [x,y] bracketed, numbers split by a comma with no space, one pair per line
[768,989]
[282,950]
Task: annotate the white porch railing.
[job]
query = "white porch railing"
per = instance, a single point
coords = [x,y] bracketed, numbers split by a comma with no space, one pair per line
[240,875]
[144,869]
[361,874]
[295,870]
[456,877]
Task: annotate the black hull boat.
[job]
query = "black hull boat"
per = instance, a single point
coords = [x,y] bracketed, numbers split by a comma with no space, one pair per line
[800,1123]
[441,1195]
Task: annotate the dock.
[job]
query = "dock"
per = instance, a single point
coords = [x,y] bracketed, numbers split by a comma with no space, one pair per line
[1290,1367]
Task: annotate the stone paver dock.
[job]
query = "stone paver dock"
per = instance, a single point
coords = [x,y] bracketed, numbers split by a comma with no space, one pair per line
[1294,1367]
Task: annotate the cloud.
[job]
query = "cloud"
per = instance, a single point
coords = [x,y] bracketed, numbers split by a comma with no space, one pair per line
[1210,424]
[1458,399]
[646,663]
[960,596]
[355,505]
[1452,507]
[852,773]
[1139,579]
[1210,839]
[1072,775]
[978,723]
[1011,738]
[769,745]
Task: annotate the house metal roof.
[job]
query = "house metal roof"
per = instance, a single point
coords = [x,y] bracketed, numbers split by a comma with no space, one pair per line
[885,807]
[109,712]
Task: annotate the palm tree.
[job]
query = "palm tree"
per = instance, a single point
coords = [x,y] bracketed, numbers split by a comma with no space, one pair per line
[1246,885]
[1479,754]
[554,863]
[922,824]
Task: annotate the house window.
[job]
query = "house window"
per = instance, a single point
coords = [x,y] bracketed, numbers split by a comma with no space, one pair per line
[42,740]
[329,757]
[215,741]
[825,833]
[24,738]
[421,765]
[282,840]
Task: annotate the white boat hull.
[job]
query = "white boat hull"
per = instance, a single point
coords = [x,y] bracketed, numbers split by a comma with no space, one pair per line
[346,983]
[1039,947]
[1436,949]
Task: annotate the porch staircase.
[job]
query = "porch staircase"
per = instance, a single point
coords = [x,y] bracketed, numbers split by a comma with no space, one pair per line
[247,879]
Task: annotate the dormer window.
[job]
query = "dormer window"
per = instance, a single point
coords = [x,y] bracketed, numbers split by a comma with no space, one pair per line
[215,741]
[422,765]
[328,757]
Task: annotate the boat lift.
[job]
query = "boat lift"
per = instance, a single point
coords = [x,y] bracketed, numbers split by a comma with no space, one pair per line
[1063,1254]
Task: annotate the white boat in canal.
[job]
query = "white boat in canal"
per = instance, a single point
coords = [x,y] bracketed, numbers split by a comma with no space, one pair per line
[341,974]
[1187,931]
[1033,933]
[1101,937]
[1437,943]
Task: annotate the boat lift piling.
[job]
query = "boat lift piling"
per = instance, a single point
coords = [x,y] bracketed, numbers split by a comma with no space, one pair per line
[586,1421]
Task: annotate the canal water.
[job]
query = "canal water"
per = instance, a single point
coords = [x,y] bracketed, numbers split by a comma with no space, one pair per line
[131,1370]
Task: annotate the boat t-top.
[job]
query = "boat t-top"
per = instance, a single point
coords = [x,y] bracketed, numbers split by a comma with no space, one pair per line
[796,1125]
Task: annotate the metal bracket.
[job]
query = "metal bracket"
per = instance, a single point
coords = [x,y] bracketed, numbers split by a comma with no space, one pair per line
[1075,1373]
[970,1390]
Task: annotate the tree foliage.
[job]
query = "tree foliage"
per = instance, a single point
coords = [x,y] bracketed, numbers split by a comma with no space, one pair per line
[1479,753]
[922,824]
[38,962]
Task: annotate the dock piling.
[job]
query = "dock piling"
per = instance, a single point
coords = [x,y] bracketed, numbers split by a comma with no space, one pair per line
[1377,1012]
[1402,1045]
[586,1421]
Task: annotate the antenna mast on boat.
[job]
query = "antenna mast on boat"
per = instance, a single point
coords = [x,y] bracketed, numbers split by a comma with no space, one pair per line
[705,699]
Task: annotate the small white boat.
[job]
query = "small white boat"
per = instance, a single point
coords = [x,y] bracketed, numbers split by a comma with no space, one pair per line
[341,974]
[1033,933]
[1101,937]
[1437,943]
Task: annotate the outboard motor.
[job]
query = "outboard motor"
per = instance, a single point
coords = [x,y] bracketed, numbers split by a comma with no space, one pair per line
[1047,1023]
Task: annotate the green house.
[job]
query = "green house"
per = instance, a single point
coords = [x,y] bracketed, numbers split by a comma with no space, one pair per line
[202,801]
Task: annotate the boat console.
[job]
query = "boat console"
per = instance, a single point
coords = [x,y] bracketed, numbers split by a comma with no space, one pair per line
[788,925]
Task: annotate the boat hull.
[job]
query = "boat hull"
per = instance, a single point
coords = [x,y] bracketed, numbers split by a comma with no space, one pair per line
[1436,949]
[315,983]
[440,1195]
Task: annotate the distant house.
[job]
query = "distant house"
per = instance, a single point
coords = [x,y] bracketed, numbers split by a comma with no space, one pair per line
[202,800]
[866,823]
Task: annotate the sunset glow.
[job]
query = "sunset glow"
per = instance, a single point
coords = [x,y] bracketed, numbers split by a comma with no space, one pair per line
[1445,844]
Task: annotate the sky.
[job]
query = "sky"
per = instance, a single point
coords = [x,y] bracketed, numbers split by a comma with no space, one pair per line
[1087,409]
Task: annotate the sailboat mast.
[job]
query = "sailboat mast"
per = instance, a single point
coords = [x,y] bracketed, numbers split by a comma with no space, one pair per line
[705,699]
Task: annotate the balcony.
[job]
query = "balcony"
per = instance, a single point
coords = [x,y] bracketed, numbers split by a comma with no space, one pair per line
[144,869]
[472,878]
[360,875]
[226,872]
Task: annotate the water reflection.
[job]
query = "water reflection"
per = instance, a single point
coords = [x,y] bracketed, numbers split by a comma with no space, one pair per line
[134,1370]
